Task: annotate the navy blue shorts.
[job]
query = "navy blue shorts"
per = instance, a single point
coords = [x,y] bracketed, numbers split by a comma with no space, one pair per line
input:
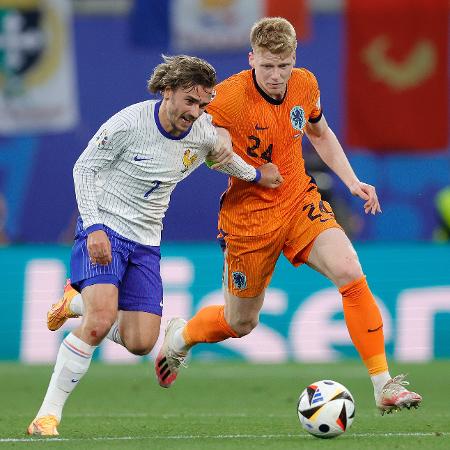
[134,269]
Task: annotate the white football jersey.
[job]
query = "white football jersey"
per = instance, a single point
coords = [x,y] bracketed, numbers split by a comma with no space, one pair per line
[125,176]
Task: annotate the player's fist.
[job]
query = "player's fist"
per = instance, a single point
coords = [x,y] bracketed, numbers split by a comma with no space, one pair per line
[99,248]
[223,151]
[270,176]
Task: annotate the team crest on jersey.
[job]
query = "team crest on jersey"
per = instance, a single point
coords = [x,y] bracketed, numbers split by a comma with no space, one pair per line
[188,159]
[298,117]
[239,280]
[102,140]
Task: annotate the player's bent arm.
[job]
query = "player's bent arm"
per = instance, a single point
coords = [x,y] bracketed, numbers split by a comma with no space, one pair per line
[266,175]
[232,165]
[223,159]
[331,152]
[238,168]
[223,149]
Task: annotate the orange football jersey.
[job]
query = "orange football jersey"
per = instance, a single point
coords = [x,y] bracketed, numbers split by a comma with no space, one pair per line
[265,130]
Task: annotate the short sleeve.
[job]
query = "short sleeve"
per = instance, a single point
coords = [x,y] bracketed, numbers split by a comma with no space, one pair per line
[225,106]
[314,98]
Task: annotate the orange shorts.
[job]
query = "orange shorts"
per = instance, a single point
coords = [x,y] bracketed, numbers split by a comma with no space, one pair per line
[249,261]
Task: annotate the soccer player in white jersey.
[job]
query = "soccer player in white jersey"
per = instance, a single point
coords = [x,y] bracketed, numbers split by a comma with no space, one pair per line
[123,182]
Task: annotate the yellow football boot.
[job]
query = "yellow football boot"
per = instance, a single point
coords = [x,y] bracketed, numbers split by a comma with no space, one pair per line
[44,426]
[60,311]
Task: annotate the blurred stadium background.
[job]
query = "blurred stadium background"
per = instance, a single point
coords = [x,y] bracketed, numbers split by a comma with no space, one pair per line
[66,66]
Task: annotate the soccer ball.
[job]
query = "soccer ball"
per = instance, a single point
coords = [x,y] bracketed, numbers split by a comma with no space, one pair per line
[326,409]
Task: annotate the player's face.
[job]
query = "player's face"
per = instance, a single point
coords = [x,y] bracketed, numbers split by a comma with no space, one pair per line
[272,71]
[181,107]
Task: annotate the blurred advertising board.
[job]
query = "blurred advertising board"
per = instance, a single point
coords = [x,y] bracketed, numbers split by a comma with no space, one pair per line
[301,319]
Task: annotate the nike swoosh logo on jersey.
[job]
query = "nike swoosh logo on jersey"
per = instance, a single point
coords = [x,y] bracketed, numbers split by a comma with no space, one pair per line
[137,158]
[372,330]
[324,220]
[257,127]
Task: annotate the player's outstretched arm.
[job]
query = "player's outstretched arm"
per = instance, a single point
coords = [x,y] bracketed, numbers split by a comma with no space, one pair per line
[223,159]
[332,154]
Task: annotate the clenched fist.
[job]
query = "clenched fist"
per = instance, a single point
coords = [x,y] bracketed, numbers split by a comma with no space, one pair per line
[270,176]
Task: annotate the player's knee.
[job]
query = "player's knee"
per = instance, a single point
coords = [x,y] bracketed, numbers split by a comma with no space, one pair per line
[243,326]
[98,324]
[139,345]
[347,271]
[140,350]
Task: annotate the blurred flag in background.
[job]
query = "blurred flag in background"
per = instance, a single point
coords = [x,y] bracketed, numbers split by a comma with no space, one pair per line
[397,74]
[37,81]
[192,25]
[224,24]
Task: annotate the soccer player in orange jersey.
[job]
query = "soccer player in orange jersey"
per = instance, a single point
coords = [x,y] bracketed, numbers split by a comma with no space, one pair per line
[267,110]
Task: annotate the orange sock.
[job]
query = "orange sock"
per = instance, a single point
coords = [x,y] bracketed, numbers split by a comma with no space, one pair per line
[365,324]
[208,325]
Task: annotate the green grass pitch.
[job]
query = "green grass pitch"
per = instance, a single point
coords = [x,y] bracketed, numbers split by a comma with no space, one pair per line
[219,405]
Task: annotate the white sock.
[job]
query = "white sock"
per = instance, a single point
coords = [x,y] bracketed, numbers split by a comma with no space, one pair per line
[379,381]
[178,342]
[114,334]
[72,362]
[77,305]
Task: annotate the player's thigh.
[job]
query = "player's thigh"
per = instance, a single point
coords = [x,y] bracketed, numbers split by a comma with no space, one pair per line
[313,217]
[139,330]
[333,255]
[100,299]
[249,262]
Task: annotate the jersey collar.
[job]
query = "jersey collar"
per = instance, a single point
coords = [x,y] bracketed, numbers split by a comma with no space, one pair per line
[266,97]
[163,131]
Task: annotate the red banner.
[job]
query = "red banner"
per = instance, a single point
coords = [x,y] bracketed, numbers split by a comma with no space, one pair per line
[296,11]
[397,80]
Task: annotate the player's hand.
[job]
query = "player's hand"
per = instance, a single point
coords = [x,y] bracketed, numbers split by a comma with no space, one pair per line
[99,248]
[222,153]
[368,193]
[270,176]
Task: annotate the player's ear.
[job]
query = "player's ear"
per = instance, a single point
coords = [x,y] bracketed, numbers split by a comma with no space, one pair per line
[251,59]
[167,93]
